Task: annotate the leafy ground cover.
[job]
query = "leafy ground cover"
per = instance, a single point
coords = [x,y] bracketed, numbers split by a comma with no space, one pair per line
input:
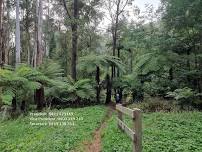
[165,132]
[19,136]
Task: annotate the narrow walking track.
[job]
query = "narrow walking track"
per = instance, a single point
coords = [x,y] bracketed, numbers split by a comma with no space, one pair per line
[95,145]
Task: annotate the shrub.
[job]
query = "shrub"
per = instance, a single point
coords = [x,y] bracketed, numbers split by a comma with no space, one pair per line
[156,105]
[186,97]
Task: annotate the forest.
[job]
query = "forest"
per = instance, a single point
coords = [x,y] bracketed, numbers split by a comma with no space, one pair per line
[84,57]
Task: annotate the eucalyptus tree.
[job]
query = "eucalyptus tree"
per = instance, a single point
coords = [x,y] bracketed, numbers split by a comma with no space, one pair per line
[1,12]
[17,35]
[27,31]
[116,10]
[1,53]
[79,14]
[74,28]
[38,49]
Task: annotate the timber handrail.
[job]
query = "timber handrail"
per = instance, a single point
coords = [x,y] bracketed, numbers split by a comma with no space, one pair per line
[136,133]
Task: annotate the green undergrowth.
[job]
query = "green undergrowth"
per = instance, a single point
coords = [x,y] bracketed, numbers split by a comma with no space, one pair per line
[162,132]
[18,136]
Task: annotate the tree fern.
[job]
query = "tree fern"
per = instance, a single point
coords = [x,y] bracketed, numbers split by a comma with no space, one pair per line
[51,69]
[90,62]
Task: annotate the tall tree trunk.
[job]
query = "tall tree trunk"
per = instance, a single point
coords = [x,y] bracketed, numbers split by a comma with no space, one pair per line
[3,35]
[114,34]
[17,35]
[1,12]
[27,25]
[39,35]
[109,90]
[34,53]
[200,65]
[131,61]
[74,40]
[7,34]
[98,84]
[1,51]
[119,55]
[48,34]
[37,57]
[188,60]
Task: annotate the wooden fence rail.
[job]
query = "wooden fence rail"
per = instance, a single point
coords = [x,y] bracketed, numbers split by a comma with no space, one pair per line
[136,132]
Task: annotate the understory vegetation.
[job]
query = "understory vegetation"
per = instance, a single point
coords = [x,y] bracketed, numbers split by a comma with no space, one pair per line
[17,135]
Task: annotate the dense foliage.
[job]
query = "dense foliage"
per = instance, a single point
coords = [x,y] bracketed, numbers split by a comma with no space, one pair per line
[156,53]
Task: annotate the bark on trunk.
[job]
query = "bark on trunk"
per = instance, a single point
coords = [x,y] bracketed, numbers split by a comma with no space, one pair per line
[48,34]
[131,61]
[114,34]
[1,52]
[37,57]
[200,65]
[14,104]
[27,32]
[39,35]
[74,40]
[1,2]
[34,54]
[39,98]
[109,90]
[171,73]
[3,35]
[22,107]
[188,60]
[17,36]
[7,35]
[119,55]
[98,84]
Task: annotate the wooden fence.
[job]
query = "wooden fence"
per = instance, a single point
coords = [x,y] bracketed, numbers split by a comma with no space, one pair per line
[136,133]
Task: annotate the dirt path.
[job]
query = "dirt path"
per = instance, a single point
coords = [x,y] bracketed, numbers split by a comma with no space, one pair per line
[95,145]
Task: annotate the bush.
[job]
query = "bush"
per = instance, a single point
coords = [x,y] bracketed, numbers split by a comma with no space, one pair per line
[186,97]
[156,105]
[159,87]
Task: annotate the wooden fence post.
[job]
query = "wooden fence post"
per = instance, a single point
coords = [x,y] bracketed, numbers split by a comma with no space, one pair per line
[137,122]
[136,133]
[120,116]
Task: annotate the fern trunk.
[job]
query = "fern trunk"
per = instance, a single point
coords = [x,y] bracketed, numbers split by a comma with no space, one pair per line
[171,73]
[39,98]
[23,106]
[98,84]
[109,90]
[14,104]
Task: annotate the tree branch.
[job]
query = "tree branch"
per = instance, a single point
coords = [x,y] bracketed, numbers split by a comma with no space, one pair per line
[123,7]
[66,9]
